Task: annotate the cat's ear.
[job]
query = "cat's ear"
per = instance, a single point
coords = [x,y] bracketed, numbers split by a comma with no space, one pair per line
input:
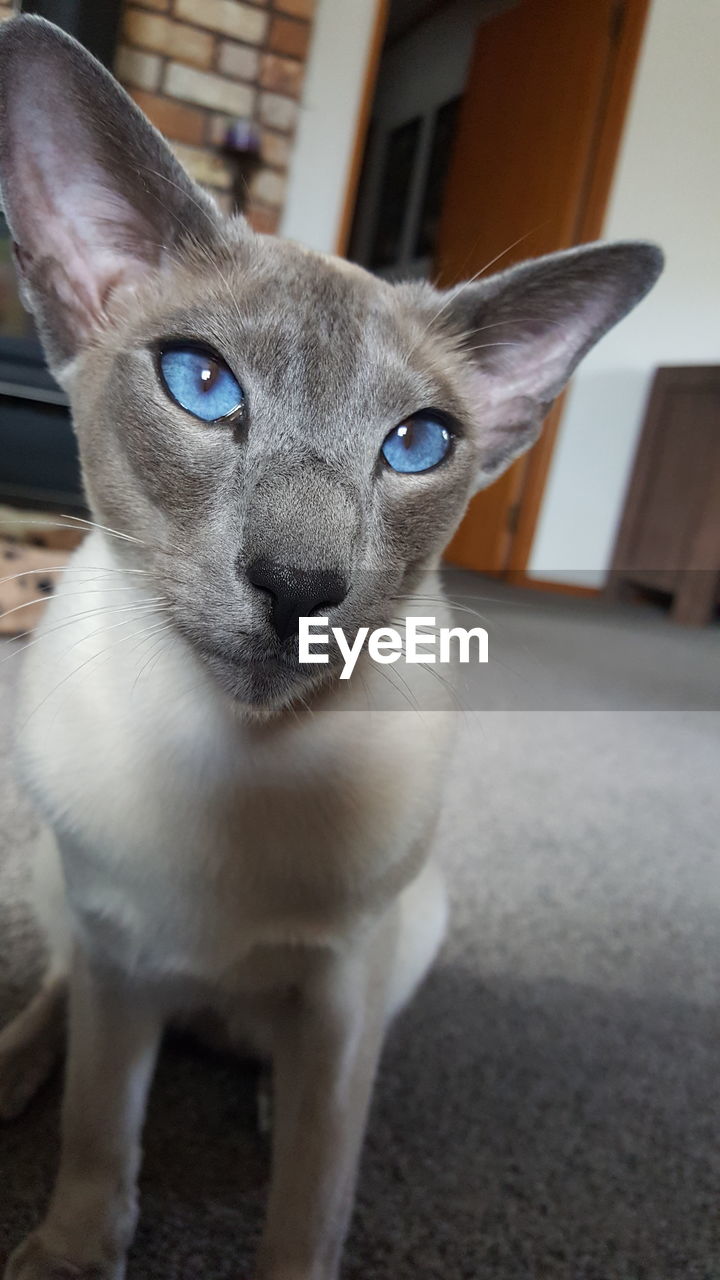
[93,195]
[526,329]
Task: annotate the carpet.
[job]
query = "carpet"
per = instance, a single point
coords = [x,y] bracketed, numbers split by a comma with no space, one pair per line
[547,1109]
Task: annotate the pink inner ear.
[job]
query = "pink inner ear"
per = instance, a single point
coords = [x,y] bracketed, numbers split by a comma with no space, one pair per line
[66,213]
[531,369]
[511,390]
[534,366]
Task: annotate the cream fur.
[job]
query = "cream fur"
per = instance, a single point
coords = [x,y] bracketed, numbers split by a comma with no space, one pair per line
[179,864]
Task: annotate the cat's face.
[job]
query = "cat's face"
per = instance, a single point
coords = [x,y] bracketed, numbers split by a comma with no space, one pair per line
[279,432]
[323,362]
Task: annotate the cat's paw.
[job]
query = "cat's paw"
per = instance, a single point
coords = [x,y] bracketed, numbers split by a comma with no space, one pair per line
[32,1261]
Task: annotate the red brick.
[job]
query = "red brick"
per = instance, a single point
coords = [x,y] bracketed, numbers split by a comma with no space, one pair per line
[164,35]
[289,37]
[263,219]
[238,61]
[224,201]
[282,75]
[277,111]
[216,129]
[174,119]
[229,17]
[276,148]
[142,70]
[205,166]
[208,90]
[269,187]
[298,8]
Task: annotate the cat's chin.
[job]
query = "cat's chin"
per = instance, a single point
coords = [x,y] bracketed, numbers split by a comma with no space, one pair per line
[263,690]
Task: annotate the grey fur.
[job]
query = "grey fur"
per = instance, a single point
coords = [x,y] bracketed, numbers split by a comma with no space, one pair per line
[330,359]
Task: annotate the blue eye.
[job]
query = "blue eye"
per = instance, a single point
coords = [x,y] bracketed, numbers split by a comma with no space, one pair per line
[200,382]
[417,444]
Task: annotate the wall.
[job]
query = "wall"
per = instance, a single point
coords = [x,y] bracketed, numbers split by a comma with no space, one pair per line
[335,83]
[667,189]
[194,65]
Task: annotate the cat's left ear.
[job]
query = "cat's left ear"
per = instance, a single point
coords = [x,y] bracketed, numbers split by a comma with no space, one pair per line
[527,329]
[93,195]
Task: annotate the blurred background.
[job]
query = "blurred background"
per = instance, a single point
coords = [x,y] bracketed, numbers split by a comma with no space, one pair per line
[441,138]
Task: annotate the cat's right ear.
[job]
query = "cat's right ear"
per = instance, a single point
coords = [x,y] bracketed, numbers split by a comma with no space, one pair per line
[92,193]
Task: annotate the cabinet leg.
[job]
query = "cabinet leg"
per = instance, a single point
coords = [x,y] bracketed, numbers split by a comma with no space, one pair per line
[695,599]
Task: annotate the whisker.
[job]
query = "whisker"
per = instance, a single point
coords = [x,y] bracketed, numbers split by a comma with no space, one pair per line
[85,663]
[93,635]
[363,682]
[450,296]
[67,622]
[68,568]
[498,623]
[62,518]
[117,533]
[405,684]
[431,670]
[68,595]
[155,652]
[484,346]
[387,676]
[470,595]
[155,173]
[461,608]
[80,523]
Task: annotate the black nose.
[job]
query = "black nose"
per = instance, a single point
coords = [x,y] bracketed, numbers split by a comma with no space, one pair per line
[296,593]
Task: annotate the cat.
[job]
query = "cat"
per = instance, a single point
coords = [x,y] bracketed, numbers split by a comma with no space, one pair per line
[266,433]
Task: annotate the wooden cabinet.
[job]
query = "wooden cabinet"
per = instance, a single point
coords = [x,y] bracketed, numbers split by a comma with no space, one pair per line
[669,537]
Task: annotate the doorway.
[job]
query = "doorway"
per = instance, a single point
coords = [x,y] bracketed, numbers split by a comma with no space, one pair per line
[493,137]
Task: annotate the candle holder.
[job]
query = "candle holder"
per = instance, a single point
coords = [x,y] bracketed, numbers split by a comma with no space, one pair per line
[241,149]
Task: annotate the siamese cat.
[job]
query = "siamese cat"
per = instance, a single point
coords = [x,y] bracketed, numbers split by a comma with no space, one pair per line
[266,433]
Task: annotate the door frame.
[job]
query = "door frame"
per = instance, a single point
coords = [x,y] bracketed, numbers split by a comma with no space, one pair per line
[620,78]
[362,125]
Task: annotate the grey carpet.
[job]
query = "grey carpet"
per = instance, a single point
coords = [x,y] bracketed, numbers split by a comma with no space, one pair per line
[548,1107]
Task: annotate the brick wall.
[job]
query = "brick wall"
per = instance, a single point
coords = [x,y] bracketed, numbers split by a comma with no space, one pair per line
[195,65]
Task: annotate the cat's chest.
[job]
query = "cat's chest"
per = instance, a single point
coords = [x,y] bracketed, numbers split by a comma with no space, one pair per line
[188,839]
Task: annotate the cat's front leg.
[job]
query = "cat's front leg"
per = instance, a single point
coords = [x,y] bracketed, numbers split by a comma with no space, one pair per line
[114,1034]
[326,1050]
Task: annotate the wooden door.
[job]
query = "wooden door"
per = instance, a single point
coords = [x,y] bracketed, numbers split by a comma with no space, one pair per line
[530,173]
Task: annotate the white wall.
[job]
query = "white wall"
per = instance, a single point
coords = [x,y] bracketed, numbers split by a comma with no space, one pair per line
[667,189]
[334,84]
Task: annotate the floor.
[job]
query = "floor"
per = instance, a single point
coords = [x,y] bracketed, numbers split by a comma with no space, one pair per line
[548,1107]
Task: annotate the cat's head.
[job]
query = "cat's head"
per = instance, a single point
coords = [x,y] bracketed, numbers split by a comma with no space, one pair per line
[283,433]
